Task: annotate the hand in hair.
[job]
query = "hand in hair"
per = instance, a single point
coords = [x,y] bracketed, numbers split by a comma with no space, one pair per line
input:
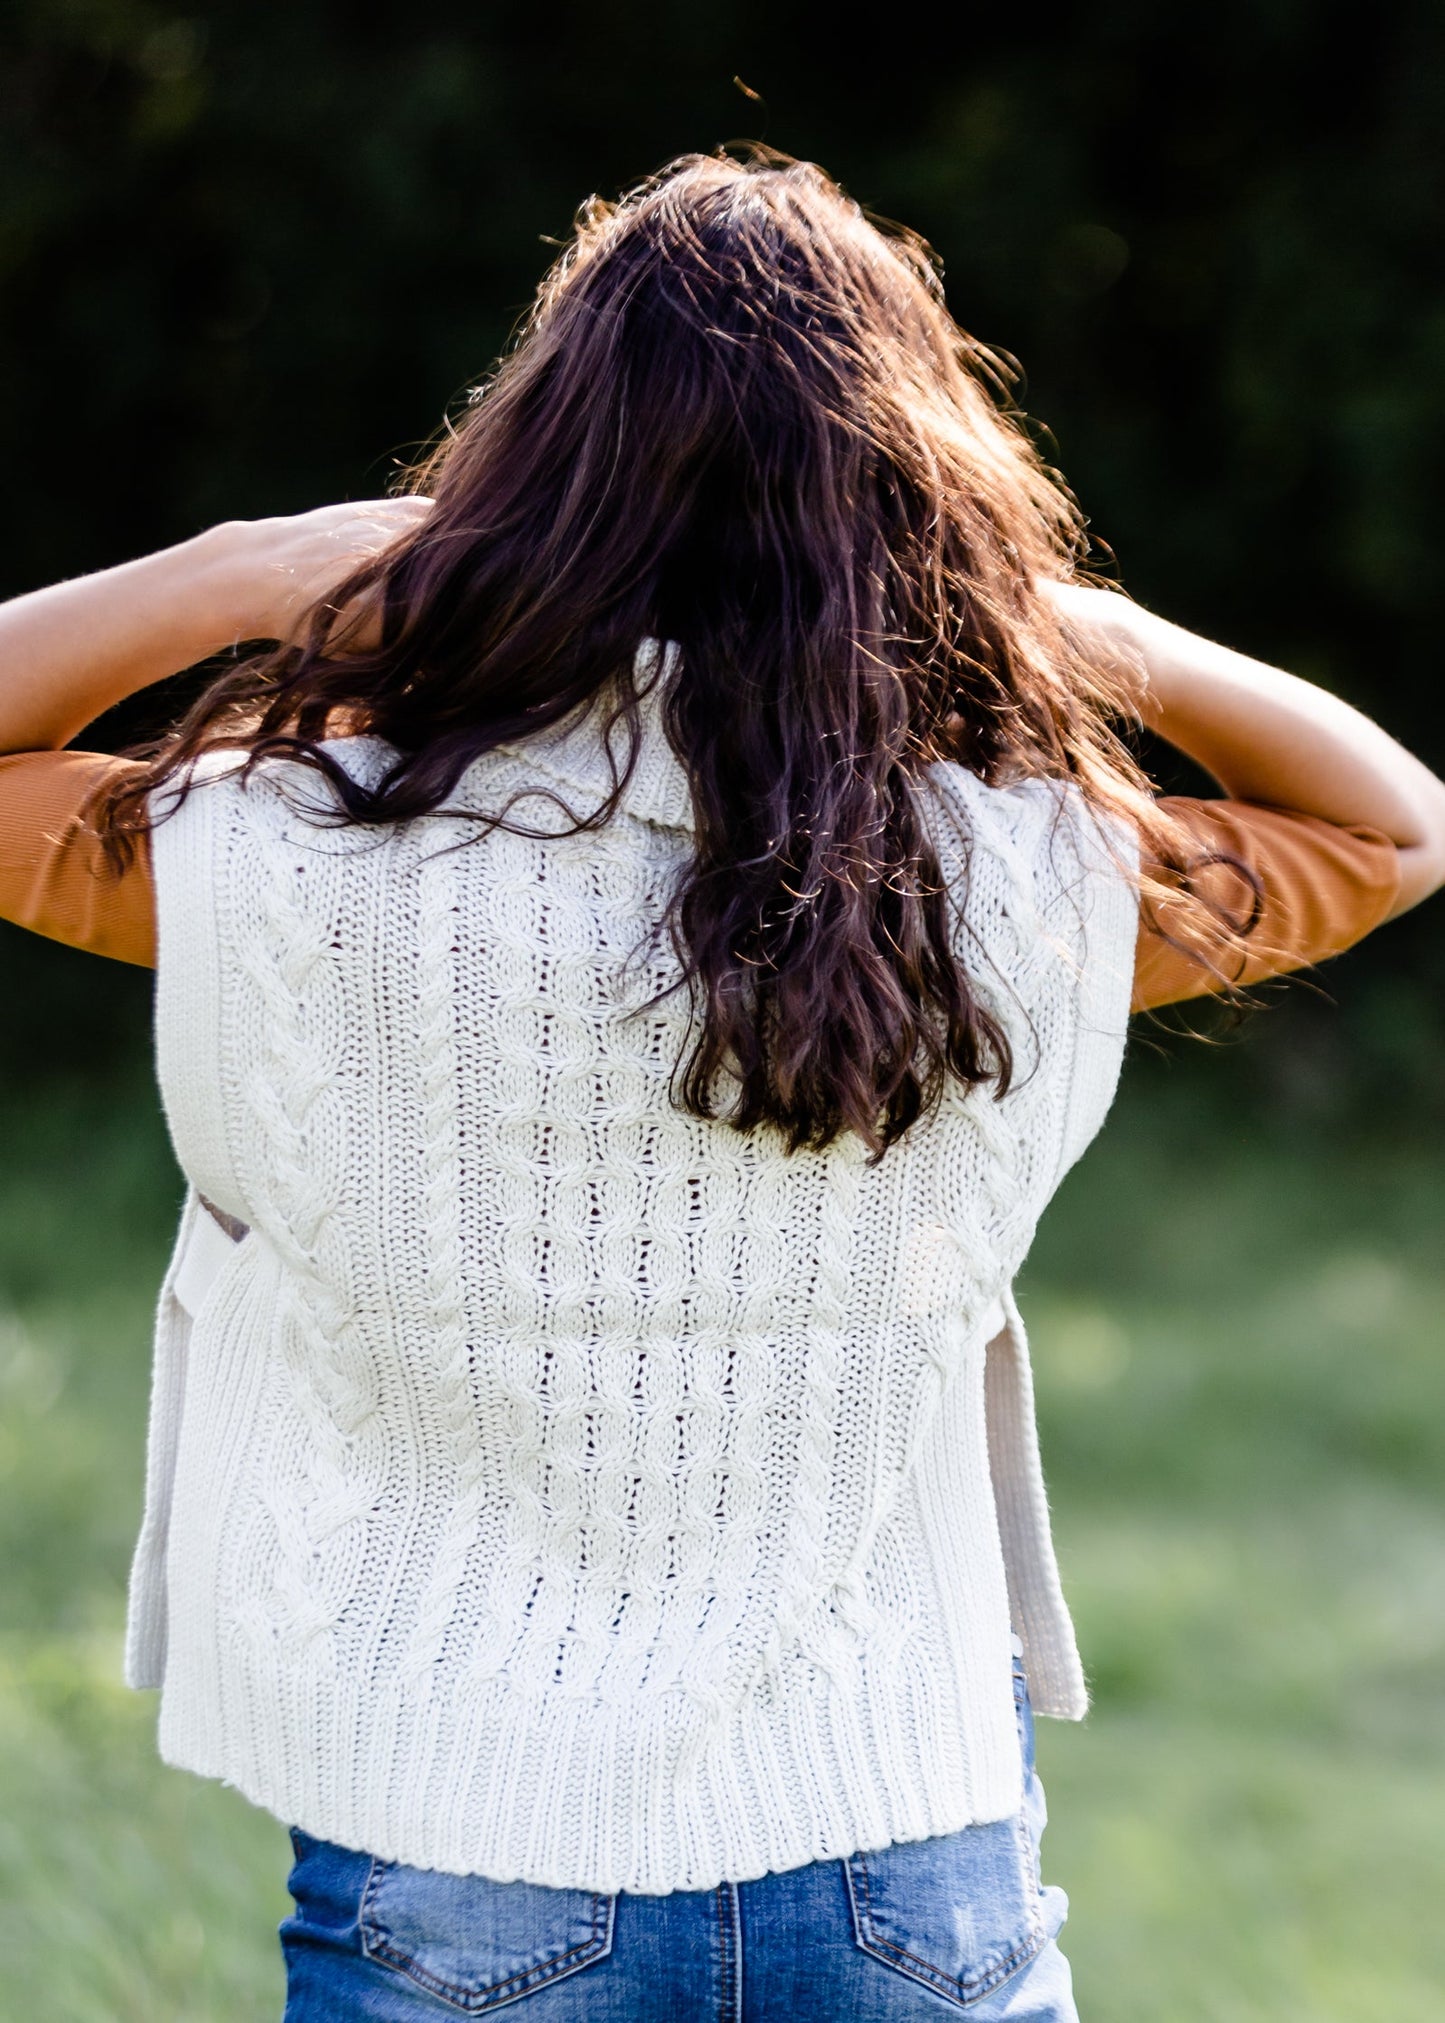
[69,652]
[285,569]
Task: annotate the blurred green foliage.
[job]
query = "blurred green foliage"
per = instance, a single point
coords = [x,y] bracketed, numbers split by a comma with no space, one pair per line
[248,255]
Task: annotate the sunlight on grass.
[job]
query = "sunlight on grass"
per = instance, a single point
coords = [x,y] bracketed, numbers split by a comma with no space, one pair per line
[129,1892]
[1238,1352]
[1238,1355]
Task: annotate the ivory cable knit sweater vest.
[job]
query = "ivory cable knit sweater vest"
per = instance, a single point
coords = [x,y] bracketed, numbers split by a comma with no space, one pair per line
[551,1484]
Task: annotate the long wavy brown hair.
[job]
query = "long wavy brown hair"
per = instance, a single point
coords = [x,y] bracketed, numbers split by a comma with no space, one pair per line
[738,417]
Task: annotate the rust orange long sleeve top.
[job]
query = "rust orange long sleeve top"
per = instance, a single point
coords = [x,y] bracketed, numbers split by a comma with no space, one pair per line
[1323,886]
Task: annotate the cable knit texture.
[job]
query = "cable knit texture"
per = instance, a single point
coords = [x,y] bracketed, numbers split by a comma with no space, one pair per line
[550,1484]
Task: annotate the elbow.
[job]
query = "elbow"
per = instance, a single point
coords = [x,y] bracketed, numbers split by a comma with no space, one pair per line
[1422,858]
[1422,873]
[19,738]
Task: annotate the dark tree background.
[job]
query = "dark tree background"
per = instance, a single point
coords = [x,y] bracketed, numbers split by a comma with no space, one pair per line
[249,253]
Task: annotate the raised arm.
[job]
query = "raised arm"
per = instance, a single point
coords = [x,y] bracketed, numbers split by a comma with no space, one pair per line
[70,652]
[1269,737]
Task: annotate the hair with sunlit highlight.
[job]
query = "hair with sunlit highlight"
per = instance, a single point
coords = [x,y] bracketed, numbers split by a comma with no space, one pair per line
[739,417]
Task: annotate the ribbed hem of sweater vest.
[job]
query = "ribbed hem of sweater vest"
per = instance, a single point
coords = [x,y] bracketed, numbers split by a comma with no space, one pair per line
[579,1796]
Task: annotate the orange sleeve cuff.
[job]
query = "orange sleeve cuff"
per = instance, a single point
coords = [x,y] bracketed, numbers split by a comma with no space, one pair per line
[1323,888]
[54,878]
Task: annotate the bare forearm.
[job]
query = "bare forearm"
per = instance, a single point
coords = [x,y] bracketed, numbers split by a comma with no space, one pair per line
[69,652]
[1267,736]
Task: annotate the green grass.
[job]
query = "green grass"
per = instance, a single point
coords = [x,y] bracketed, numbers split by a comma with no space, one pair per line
[1238,1344]
[1245,1432]
[127,1891]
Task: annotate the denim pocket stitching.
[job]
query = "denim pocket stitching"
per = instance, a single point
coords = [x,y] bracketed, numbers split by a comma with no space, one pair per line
[964,1989]
[376,1944]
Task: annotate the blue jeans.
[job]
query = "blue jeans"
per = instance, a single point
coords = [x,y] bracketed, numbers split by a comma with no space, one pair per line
[958,1922]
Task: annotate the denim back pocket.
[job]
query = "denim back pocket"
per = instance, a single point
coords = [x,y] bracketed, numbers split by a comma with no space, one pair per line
[962,1911]
[959,1912]
[474,1943]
